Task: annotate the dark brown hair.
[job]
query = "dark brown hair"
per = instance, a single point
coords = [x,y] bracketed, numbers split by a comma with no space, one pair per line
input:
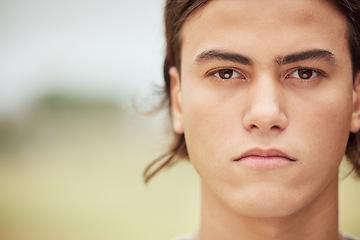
[176,14]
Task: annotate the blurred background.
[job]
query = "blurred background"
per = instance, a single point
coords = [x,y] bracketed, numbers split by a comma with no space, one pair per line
[72,145]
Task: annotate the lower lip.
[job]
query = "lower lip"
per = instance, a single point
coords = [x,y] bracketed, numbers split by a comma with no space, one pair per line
[264,162]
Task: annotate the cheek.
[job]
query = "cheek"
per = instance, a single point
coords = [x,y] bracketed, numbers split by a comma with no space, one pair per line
[321,127]
[320,135]
[210,121]
[326,122]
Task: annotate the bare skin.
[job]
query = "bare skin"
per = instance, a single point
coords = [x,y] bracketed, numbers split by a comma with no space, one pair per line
[266,101]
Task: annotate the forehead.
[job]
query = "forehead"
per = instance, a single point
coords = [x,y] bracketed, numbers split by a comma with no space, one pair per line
[277,25]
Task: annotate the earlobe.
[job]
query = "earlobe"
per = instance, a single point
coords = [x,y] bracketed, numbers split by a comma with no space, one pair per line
[176,105]
[355,121]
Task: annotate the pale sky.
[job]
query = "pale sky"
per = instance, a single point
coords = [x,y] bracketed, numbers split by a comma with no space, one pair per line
[111,48]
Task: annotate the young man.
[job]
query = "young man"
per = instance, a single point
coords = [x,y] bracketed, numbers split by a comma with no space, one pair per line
[265,101]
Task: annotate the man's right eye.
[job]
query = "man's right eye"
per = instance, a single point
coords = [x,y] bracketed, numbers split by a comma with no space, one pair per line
[226,74]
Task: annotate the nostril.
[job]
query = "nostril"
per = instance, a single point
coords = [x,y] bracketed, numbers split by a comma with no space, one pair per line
[275,127]
[255,126]
[265,121]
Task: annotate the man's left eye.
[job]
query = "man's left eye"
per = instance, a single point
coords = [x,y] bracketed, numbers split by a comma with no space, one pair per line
[304,74]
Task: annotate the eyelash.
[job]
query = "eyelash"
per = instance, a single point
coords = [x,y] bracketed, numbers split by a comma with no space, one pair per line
[216,74]
[313,71]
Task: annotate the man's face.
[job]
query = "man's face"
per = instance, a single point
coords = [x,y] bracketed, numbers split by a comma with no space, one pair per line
[265,101]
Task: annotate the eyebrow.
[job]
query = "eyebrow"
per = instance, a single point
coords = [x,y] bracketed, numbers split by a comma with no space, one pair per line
[315,54]
[219,55]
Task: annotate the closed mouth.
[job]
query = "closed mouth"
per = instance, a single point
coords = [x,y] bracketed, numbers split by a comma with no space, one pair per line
[260,158]
[264,154]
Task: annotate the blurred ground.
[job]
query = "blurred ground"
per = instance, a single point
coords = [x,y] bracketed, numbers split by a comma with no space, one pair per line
[71,169]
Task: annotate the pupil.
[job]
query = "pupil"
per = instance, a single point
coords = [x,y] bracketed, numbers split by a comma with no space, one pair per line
[305,73]
[226,74]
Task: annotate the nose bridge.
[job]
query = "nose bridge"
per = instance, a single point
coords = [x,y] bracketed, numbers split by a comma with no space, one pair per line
[266,97]
[265,110]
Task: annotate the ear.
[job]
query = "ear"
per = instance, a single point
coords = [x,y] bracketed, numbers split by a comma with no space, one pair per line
[355,121]
[176,106]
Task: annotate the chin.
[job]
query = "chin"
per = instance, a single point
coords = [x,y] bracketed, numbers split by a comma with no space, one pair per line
[270,203]
[268,211]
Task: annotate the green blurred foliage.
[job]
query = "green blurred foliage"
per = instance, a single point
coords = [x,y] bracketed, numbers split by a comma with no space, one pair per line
[65,102]
[56,109]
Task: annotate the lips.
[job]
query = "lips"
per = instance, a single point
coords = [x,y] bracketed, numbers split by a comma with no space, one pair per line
[264,158]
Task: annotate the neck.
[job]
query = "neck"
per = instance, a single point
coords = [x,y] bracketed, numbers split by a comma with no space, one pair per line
[317,220]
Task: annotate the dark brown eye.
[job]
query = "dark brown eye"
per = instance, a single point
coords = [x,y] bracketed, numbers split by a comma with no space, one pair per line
[226,73]
[305,73]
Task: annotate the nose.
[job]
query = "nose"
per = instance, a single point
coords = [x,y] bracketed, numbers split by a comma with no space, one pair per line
[265,109]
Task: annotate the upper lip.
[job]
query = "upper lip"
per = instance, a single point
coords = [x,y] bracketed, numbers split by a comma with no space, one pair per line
[259,152]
